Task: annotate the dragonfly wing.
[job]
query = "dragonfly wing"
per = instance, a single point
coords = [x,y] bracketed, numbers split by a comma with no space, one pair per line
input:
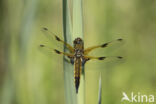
[51,36]
[46,50]
[103,58]
[51,51]
[111,43]
[98,63]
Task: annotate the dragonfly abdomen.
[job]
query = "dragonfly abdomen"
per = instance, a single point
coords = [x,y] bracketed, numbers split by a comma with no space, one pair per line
[77,82]
[77,73]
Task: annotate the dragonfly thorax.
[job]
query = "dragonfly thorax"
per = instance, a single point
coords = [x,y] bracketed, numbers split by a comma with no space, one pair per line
[78,47]
[78,53]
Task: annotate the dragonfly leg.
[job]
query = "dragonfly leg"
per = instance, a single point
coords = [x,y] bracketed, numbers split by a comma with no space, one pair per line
[87,50]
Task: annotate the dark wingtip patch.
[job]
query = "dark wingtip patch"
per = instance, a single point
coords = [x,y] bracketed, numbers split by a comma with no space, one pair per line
[119,57]
[57,38]
[58,52]
[101,58]
[41,45]
[104,45]
[44,28]
[119,39]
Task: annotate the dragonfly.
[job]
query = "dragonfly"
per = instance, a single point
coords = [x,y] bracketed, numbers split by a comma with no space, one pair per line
[77,55]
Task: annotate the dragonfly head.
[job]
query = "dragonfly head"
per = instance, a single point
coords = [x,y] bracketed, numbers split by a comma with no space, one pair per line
[78,43]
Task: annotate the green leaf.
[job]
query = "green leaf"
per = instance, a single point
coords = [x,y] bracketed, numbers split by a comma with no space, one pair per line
[69,36]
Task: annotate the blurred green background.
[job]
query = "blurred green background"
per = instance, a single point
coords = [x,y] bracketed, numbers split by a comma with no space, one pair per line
[27,76]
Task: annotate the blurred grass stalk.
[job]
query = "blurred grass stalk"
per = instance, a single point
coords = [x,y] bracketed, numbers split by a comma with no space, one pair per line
[25,35]
[70,94]
[78,32]
[69,35]
[18,55]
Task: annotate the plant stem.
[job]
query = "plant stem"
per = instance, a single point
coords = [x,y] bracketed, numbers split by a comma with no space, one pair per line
[78,32]
[70,94]
[68,37]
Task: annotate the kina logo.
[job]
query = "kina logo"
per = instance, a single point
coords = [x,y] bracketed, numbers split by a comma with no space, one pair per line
[140,98]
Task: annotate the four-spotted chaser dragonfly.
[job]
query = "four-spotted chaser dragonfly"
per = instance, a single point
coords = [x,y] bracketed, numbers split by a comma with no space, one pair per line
[77,54]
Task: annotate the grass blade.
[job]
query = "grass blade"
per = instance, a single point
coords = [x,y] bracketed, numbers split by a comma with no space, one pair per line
[70,94]
[78,32]
[100,90]
[70,35]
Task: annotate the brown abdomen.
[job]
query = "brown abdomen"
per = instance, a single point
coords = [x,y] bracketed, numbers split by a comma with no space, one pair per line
[77,73]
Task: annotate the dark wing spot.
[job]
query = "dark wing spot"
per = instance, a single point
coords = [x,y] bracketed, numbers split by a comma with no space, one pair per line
[57,38]
[104,45]
[101,58]
[119,57]
[87,59]
[58,52]
[44,28]
[41,45]
[120,39]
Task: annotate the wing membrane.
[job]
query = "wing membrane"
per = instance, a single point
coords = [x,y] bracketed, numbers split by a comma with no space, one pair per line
[51,36]
[88,50]
[109,61]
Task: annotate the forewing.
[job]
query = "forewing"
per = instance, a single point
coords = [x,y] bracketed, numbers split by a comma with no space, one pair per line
[48,42]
